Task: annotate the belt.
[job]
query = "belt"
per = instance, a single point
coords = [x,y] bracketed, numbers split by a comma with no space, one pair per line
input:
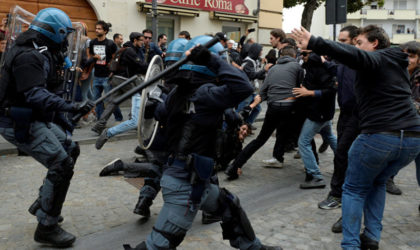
[282,104]
[398,133]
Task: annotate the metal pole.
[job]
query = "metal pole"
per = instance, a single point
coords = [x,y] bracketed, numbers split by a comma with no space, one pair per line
[154,21]
[334,31]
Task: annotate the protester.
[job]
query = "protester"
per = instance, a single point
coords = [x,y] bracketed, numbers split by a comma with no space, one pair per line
[101,51]
[277,90]
[184,34]
[149,49]
[389,123]
[118,40]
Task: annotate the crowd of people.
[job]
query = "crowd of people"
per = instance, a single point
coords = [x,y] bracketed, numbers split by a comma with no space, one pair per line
[207,107]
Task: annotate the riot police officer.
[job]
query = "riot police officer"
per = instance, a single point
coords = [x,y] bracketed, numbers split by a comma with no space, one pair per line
[206,86]
[29,112]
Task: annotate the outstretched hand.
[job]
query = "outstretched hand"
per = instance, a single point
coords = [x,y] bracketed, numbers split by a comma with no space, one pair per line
[302,37]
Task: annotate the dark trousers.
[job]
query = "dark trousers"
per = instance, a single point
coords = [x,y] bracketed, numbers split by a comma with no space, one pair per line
[347,131]
[277,118]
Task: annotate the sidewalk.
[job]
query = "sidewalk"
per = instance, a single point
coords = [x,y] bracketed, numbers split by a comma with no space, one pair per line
[85,136]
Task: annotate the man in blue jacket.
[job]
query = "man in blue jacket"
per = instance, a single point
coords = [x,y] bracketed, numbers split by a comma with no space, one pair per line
[206,86]
[389,123]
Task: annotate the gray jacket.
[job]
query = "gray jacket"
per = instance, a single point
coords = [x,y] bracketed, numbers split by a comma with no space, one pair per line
[281,79]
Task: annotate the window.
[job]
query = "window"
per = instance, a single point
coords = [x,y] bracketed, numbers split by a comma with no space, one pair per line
[232,32]
[400,4]
[165,25]
[398,28]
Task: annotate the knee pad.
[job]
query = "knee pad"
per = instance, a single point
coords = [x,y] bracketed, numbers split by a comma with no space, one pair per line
[74,151]
[174,238]
[235,222]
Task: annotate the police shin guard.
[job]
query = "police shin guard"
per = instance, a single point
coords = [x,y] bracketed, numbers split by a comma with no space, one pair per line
[143,206]
[54,190]
[37,205]
[235,222]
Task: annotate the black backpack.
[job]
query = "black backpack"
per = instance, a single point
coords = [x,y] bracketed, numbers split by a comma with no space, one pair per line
[115,64]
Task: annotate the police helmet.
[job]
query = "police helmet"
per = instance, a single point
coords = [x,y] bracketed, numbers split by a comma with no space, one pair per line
[175,49]
[216,49]
[52,23]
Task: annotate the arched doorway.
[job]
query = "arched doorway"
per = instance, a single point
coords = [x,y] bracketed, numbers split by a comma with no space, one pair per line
[78,10]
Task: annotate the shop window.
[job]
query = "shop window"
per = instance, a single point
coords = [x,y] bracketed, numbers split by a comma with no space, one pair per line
[165,25]
[232,32]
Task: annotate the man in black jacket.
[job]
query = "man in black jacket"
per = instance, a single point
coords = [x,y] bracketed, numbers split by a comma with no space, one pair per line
[348,123]
[130,64]
[390,127]
[318,94]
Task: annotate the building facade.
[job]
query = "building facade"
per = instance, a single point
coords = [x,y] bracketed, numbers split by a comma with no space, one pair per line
[196,16]
[399,18]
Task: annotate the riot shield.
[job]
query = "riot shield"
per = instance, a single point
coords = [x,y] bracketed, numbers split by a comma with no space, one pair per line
[147,128]
[18,21]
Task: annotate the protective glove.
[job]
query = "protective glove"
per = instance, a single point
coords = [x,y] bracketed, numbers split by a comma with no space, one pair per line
[200,55]
[245,112]
[83,108]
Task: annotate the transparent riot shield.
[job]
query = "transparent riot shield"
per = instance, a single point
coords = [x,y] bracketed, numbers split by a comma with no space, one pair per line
[18,21]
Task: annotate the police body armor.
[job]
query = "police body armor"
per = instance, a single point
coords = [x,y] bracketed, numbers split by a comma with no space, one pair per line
[12,101]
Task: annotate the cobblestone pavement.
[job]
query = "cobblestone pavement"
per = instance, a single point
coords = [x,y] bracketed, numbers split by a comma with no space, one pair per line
[99,210]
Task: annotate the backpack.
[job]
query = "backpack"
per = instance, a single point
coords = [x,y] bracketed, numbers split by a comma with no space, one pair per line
[115,64]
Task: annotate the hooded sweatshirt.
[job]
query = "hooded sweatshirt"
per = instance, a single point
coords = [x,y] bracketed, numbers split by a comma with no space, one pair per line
[251,65]
[382,85]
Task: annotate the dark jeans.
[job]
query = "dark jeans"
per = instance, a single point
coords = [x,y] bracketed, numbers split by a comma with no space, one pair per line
[276,118]
[347,131]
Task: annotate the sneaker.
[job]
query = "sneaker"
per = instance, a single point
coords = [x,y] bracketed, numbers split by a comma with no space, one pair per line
[314,183]
[53,235]
[297,155]
[102,139]
[392,188]
[337,227]
[112,168]
[323,147]
[272,163]
[330,203]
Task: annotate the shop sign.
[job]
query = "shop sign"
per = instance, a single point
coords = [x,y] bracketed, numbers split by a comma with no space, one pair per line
[231,6]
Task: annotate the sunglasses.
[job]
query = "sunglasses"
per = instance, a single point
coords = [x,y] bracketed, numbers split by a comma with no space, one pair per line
[147,37]
[305,53]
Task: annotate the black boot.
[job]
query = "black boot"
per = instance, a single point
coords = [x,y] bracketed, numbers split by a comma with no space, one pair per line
[143,206]
[337,227]
[264,247]
[112,168]
[141,246]
[53,235]
[367,243]
[232,172]
[37,205]
[208,218]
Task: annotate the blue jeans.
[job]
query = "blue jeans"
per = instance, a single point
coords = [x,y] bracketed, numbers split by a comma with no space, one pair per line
[86,89]
[101,84]
[309,130]
[176,217]
[132,122]
[254,113]
[373,158]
